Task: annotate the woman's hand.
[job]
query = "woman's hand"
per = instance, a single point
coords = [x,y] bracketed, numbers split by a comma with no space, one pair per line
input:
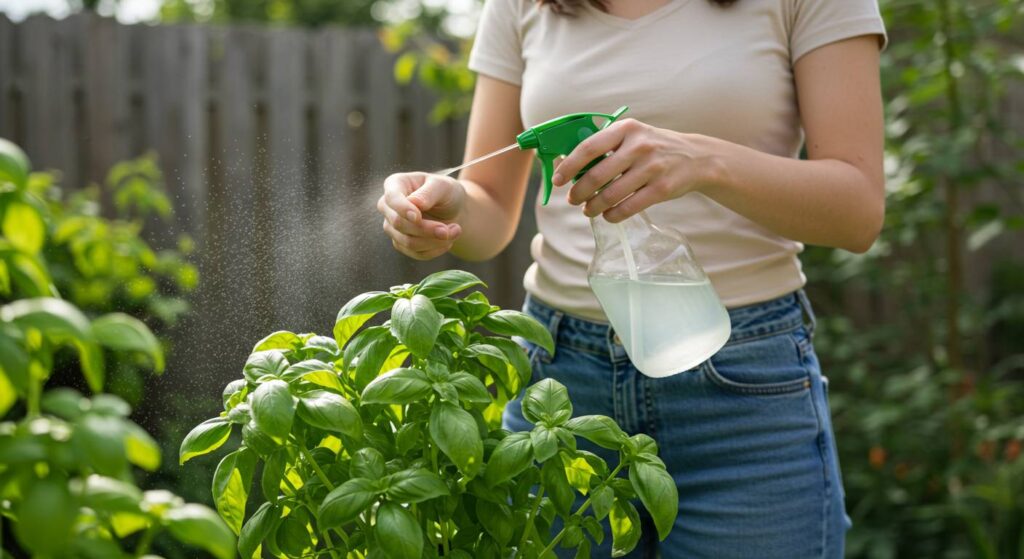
[655,165]
[420,212]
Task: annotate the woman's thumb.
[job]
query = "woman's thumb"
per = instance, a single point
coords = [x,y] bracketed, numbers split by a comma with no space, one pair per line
[433,192]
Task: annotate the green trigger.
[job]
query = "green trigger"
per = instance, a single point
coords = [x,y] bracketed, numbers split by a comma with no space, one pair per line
[558,137]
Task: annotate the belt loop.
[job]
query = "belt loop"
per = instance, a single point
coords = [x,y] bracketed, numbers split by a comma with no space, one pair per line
[808,313]
[553,322]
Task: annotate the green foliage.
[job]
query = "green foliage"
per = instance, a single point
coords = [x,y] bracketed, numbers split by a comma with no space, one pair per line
[309,13]
[65,479]
[405,456]
[926,388]
[57,244]
[440,66]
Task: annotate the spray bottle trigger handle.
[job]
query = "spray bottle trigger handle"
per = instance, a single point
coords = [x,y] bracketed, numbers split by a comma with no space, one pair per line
[615,116]
[547,169]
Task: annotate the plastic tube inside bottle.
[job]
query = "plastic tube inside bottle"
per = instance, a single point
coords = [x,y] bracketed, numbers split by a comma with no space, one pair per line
[634,309]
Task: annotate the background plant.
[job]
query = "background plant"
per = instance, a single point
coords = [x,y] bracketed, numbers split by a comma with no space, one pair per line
[66,483]
[99,259]
[413,462]
[927,382]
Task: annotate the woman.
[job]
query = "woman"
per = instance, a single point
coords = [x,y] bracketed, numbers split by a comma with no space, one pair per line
[723,95]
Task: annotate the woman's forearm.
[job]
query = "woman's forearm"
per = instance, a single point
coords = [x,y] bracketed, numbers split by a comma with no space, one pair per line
[823,202]
[487,226]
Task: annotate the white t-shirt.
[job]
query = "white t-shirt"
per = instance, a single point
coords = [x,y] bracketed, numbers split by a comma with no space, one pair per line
[689,66]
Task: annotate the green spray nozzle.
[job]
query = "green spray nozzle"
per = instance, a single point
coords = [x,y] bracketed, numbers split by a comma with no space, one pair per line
[559,136]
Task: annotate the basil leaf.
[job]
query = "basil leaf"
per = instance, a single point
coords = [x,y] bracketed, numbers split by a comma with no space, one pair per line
[601,501]
[262,363]
[330,412]
[547,401]
[127,333]
[447,282]
[205,437]
[256,529]
[657,491]
[414,486]
[552,475]
[346,502]
[273,473]
[273,408]
[367,463]
[231,482]
[416,323]
[199,526]
[512,455]
[455,432]
[545,443]
[357,311]
[278,340]
[471,389]
[401,386]
[515,323]
[496,519]
[598,429]
[397,532]
[625,523]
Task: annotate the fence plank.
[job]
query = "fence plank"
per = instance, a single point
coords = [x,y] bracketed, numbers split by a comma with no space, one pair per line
[229,268]
[161,112]
[334,97]
[381,105]
[104,85]
[37,59]
[190,203]
[64,115]
[287,150]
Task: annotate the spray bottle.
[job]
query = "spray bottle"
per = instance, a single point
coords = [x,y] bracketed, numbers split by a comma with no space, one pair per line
[656,296]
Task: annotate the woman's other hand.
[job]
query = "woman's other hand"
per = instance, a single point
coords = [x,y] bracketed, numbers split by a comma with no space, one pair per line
[655,165]
[420,213]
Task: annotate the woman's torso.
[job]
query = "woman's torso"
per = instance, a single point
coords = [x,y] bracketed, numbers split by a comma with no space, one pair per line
[689,66]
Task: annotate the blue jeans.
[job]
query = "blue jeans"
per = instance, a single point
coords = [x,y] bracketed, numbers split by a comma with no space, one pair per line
[747,435]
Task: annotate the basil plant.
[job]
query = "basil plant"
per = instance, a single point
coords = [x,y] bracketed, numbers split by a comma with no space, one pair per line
[385,440]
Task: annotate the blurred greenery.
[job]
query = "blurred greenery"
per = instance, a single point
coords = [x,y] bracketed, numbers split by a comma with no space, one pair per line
[67,477]
[927,380]
[101,262]
[926,367]
[307,13]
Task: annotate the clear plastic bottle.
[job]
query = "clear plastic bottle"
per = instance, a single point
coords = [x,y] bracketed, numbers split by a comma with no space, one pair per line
[657,297]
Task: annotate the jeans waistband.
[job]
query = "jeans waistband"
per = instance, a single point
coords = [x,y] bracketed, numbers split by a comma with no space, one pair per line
[775,316]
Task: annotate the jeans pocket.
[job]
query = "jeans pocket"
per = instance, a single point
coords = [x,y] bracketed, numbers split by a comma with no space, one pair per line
[766,366]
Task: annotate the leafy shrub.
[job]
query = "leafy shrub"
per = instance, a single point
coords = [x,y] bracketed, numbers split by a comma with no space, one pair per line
[103,264]
[413,462]
[66,479]
[930,456]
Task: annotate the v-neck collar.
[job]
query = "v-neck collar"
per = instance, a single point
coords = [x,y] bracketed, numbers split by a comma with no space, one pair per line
[641,21]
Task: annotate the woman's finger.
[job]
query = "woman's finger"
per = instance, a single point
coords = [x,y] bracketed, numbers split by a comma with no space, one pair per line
[409,242]
[630,181]
[397,188]
[590,149]
[421,228]
[650,194]
[598,176]
[431,254]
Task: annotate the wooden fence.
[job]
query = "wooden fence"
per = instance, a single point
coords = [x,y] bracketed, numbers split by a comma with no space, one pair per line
[274,143]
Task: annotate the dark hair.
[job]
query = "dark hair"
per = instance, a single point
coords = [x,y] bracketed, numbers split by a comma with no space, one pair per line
[567,7]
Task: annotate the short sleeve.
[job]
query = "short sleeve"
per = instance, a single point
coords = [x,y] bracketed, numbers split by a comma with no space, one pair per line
[819,22]
[497,50]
